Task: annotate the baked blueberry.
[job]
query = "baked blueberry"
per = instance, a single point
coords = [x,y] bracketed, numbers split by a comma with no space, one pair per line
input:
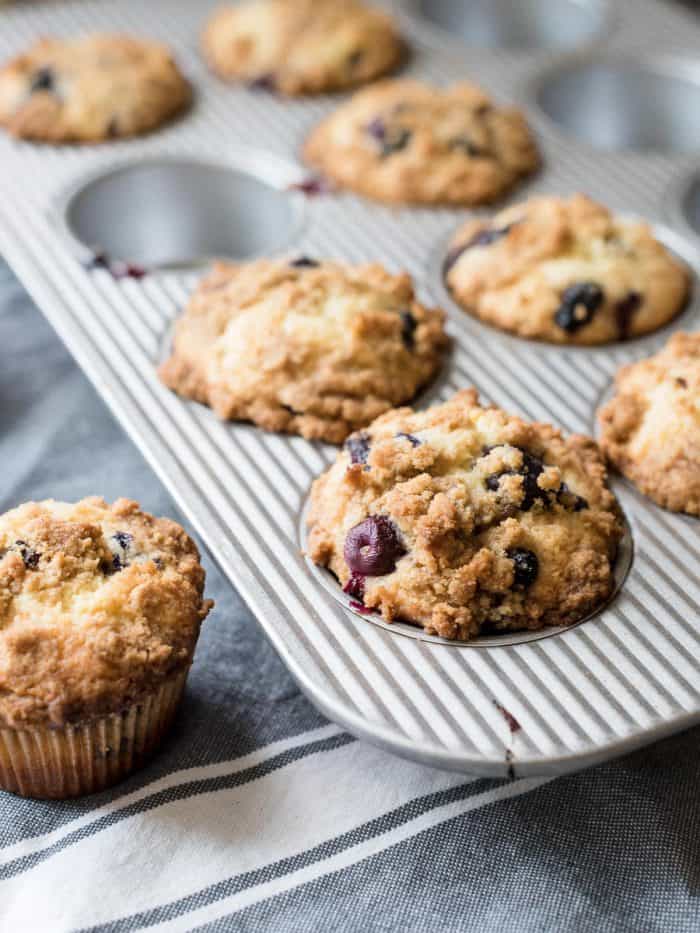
[625,310]
[579,303]
[43,79]
[30,557]
[358,446]
[408,329]
[411,438]
[525,566]
[484,237]
[373,547]
[305,262]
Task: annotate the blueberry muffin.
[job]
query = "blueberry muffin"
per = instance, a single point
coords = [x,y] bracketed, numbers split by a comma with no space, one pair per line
[567,271]
[650,430]
[90,89]
[407,142]
[299,47]
[465,520]
[317,349]
[100,610]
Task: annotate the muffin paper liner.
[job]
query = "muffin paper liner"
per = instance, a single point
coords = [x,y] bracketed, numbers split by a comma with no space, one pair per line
[74,760]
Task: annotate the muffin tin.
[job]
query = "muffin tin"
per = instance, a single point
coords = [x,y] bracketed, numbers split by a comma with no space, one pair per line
[499,706]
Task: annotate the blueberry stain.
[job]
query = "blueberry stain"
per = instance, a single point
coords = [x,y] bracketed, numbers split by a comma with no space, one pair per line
[355,587]
[413,440]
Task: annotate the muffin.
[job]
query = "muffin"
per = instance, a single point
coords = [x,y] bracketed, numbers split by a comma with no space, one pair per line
[406,142]
[650,429]
[90,89]
[464,520]
[306,347]
[100,610]
[567,271]
[296,47]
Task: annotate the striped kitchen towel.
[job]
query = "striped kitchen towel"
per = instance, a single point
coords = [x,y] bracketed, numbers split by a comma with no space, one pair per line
[258,815]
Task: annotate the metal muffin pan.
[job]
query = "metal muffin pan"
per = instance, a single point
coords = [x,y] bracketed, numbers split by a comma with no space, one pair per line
[620,680]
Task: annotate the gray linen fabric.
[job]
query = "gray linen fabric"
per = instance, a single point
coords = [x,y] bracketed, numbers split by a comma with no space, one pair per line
[616,848]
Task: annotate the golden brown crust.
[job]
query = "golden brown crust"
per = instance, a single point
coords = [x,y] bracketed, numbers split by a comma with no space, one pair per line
[317,350]
[518,270]
[650,430]
[98,605]
[90,89]
[408,142]
[502,524]
[297,47]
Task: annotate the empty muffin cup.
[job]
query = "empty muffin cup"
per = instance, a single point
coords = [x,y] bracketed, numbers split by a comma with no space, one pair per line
[528,25]
[623,105]
[169,212]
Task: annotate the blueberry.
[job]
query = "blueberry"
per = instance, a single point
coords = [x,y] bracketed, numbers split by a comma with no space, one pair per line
[483,238]
[414,441]
[408,329]
[43,79]
[579,304]
[530,470]
[390,140]
[525,566]
[625,310]
[373,547]
[355,587]
[264,82]
[304,262]
[377,129]
[571,500]
[123,539]
[466,145]
[358,446]
[28,554]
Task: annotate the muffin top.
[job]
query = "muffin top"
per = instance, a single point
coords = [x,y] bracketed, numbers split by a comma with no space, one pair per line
[317,349]
[301,46]
[650,429]
[567,271]
[98,605]
[463,519]
[408,142]
[90,89]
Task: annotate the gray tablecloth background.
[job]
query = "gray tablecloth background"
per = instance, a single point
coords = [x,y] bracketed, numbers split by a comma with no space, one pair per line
[616,848]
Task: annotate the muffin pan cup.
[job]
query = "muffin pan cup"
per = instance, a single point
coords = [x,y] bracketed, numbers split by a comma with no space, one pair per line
[225,180]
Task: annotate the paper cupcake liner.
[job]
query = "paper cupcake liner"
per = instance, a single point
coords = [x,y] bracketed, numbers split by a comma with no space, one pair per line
[80,759]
